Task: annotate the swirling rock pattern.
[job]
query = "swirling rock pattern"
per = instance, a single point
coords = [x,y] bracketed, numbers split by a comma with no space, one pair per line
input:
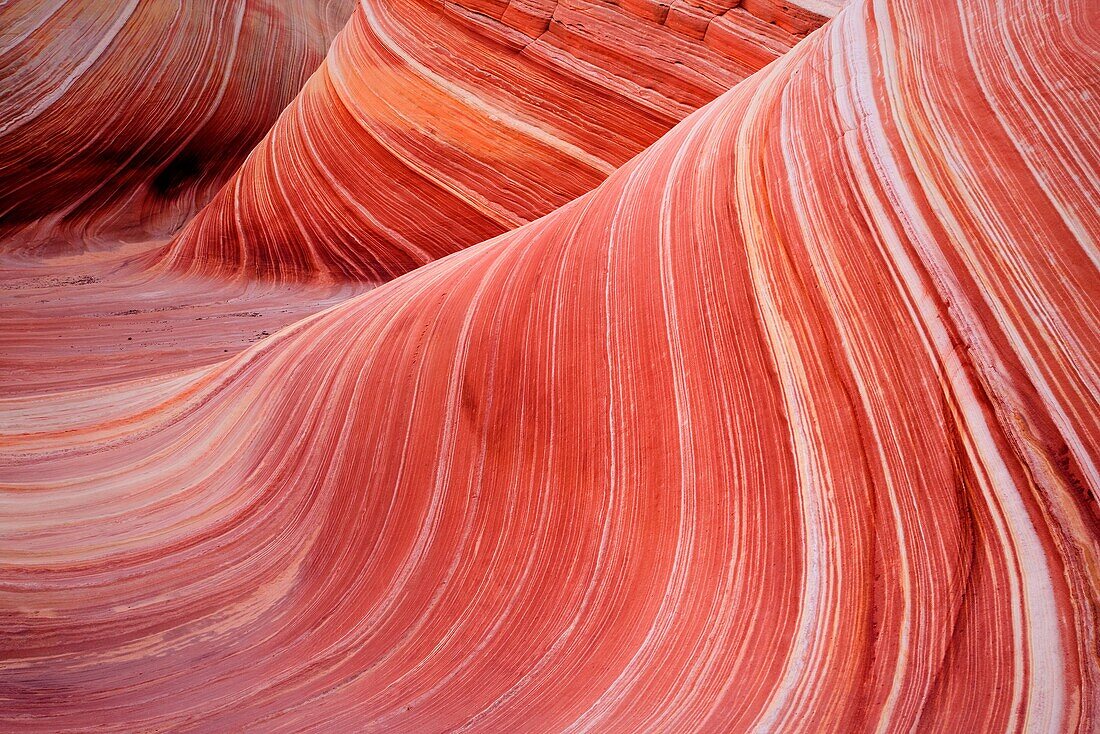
[435,125]
[121,119]
[790,425]
[102,320]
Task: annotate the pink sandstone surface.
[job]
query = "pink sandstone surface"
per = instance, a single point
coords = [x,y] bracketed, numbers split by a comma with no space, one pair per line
[790,424]
[432,126]
[121,119]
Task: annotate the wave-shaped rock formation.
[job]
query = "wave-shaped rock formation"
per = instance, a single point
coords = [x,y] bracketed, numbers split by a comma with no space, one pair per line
[121,119]
[790,425]
[435,125]
[100,318]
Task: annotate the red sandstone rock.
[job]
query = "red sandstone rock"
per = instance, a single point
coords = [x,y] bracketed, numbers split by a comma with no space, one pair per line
[121,119]
[790,425]
[794,18]
[749,40]
[477,116]
[167,331]
[688,19]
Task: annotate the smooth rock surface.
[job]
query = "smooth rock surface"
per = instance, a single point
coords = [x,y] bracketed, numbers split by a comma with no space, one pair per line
[119,120]
[432,126]
[789,425]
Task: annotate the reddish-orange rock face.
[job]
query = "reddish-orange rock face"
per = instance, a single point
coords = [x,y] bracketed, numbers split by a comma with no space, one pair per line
[432,126]
[789,425]
[120,119]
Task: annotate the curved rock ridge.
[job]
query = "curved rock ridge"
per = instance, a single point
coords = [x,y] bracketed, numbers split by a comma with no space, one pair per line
[435,125]
[121,119]
[790,425]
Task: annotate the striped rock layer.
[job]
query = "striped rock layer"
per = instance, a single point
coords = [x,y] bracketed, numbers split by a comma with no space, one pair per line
[790,425]
[435,125]
[121,119]
[103,317]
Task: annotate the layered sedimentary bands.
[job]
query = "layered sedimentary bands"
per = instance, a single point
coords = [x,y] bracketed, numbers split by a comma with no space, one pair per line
[435,125]
[345,179]
[789,425]
[123,118]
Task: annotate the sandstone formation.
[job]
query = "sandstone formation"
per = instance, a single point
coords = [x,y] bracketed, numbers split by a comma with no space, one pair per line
[102,318]
[434,125]
[120,119]
[790,425]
